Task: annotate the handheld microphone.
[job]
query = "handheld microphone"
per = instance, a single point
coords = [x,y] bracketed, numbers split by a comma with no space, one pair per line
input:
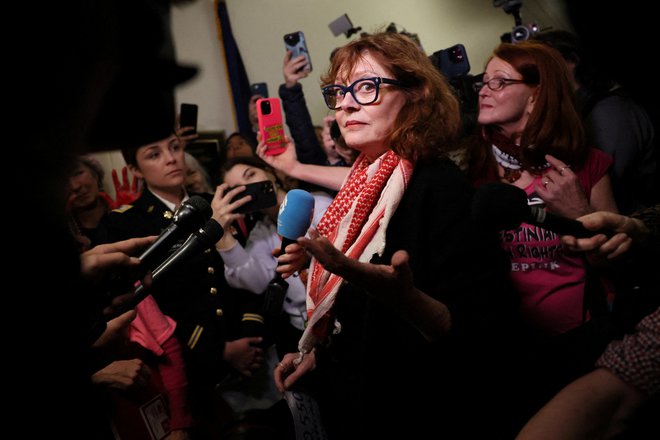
[293,220]
[501,206]
[197,242]
[189,216]
[295,216]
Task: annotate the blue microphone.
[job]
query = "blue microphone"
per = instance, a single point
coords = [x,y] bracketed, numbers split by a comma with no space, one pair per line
[295,216]
[293,220]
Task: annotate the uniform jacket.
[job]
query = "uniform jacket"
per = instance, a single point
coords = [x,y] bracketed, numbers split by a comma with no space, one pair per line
[196,295]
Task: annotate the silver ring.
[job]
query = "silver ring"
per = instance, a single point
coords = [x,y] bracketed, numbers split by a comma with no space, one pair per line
[561,170]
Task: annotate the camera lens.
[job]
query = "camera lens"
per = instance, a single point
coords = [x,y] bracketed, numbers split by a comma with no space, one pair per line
[519,33]
[265,107]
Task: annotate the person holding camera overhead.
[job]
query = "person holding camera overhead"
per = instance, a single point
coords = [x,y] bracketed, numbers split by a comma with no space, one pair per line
[404,291]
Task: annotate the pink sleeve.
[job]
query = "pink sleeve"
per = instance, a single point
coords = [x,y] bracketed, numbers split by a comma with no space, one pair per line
[151,328]
[175,382]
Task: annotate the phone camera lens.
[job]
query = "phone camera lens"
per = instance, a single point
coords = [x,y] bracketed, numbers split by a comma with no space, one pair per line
[265,107]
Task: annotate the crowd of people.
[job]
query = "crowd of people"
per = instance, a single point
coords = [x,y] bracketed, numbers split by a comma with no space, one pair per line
[402,314]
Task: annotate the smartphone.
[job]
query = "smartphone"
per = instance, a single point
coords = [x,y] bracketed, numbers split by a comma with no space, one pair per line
[188,116]
[269,115]
[263,196]
[295,42]
[260,89]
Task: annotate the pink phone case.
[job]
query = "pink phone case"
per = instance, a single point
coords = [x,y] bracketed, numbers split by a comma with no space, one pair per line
[269,114]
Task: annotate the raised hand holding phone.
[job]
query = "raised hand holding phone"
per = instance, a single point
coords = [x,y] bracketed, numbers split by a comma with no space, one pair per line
[269,116]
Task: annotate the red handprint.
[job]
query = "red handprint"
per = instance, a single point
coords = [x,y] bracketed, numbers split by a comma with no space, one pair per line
[125,194]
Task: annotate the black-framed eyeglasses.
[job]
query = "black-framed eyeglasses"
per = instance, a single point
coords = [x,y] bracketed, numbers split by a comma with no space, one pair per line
[496,84]
[364,91]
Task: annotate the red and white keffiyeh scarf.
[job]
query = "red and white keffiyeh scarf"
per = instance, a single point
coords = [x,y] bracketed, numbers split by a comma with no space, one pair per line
[355,222]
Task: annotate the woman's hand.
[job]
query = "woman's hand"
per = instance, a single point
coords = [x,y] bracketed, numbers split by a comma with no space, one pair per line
[325,253]
[294,259]
[224,211]
[286,162]
[292,69]
[562,192]
[185,134]
[289,370]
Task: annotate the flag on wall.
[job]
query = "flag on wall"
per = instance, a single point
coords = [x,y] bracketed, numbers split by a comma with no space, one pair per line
[239,85]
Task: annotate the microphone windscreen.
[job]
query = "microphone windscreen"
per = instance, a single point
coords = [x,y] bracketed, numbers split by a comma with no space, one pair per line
[201,205]
[295,214]
[212,231]
[499,206]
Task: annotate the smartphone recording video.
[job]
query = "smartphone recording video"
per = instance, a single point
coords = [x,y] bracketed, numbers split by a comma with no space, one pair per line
[269,115]
[259,89]
[188,117]
[295,42]
[263,196]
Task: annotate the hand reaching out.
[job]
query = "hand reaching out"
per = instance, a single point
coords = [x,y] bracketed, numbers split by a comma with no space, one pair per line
[116,331]
[599,248]
[105,258]
[123,374]
[392,285]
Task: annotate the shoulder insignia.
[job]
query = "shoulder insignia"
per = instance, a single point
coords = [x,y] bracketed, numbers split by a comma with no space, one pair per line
[168,214]
[122,208]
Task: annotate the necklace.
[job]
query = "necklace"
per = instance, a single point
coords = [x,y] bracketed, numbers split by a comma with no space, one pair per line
[511,165]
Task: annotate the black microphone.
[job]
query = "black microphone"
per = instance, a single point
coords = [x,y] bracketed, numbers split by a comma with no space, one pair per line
[189,216]
[500,206]
[197,242]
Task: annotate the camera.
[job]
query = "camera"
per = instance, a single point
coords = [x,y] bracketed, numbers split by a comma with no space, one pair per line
[523,32]
[453,63]
[520,31]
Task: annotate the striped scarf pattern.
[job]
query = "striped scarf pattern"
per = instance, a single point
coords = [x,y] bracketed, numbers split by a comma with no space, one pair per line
[355,222]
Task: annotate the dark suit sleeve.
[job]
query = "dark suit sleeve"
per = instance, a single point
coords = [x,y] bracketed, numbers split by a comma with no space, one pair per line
[301,127]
